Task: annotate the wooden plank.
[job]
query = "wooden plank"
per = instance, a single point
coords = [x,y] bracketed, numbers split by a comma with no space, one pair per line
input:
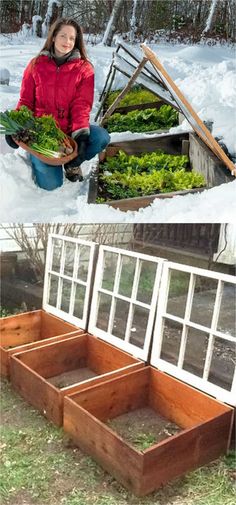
[140,202]
[52,325]
[4,363]
[185,451]
[171,143]
[109,450]
[5,354]
[106,376]
[53,359]
[194,119]
[36,391]
[21,328]
[124,91]
[104,357]
[187,407]
[122,394]
[140,106]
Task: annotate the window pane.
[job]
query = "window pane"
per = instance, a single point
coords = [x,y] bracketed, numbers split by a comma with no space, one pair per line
[146,281]
[227,317]
[79,301]
[203,300]
[195,351]
[171,341]
[139,326]
[127,276]
[109,270]
[53,290]
[104,306]
[178,290]
[65,295]
[120,319]
[222,363]
[84,253]
[69,258]
[56,255]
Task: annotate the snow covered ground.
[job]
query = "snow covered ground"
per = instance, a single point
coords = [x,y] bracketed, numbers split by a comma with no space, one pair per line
[206,76]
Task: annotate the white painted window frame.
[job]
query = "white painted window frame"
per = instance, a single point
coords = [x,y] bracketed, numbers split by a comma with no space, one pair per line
[125,345]
[55,310]
[162,314]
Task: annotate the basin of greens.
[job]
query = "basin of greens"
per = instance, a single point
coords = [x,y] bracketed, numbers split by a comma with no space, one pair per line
[39,135]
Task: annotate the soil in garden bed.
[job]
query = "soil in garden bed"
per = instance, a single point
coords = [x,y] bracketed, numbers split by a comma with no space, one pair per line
[72,377]
[143,427]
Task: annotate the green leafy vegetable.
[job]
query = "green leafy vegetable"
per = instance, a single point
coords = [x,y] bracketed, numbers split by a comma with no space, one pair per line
[39,133]
[136,95]
[124,176]
[143,120]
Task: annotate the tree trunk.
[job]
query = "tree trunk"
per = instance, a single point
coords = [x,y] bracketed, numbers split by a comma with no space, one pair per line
[112,23]
[211,18]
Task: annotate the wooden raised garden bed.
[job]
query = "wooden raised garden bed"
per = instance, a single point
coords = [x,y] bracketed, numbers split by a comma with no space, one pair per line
[28,330]
[43,376]
[201,160]
[195,428]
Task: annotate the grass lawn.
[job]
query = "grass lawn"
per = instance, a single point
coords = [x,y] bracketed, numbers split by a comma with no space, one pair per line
[41,466]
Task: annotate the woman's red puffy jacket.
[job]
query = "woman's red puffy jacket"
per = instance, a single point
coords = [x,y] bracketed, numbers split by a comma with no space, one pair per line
[66,91]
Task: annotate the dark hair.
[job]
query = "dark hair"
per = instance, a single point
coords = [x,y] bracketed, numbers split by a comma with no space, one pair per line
[55,28]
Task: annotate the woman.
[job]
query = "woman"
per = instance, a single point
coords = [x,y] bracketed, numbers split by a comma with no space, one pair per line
[60,81]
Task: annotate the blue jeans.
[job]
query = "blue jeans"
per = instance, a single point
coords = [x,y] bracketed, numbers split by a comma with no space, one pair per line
[50,177]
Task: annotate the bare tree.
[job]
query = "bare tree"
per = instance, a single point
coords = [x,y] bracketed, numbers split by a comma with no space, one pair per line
[34,245]
[211,17]
[112,23]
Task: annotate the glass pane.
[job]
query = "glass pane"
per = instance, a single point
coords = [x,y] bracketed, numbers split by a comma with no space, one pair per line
[139,326]
[65,295]
[56,255]
[178,290]
[104,307]
[127,276]
[79,301]
[84,254]
[203,300]
[120,319]
[53,290]
[227,317]
[146,281]
[222,363]
[69,259]
[195,351]
[171,341]
[109,270]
